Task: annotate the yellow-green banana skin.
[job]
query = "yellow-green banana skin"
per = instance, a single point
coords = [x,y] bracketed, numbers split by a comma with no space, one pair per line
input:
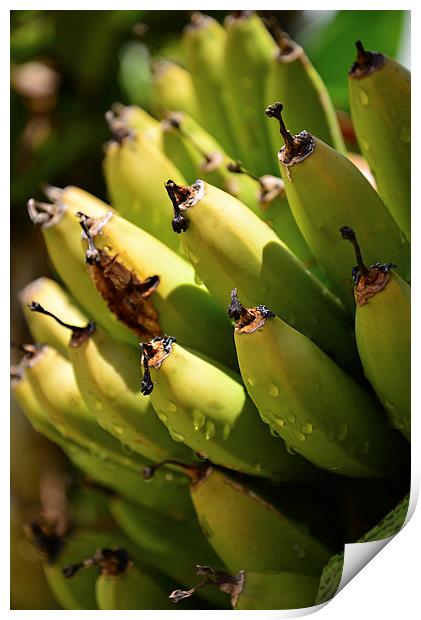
[206,406]
[173,90]
[108,377]
[313,405]
[293,80]
[230,247]
[383,331]
[248,533]
[381,115]
[131,590]
[325,190]
[204,42]
[270,590]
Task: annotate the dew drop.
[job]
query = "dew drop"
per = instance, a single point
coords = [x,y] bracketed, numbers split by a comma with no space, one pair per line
[342,432]
[290,450]
[273,431]
[389,406]
[162,416]
[198,419]
[405,134]
[279,422]
[251,380]
[264,418]
[363,97]
[299,435]
[365,145]
[175,436]
[193,258]
[172,407]
[209,430]
[273,390]
[118,430]
[307,428]
[206,528]
[291,417]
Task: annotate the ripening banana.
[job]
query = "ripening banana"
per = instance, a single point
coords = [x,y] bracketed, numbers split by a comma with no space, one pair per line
[205,406]
[324,190]
[248,53]
[151,289]
[204,41]
[246,531]
[230,247]
[136,118]
[173,90]
[317,409]
[383,333]
[293,80]
[380,100]
[61,232]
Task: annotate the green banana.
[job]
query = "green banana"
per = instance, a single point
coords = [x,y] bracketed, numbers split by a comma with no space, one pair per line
[61,231]
[324,189]
[166,494]
[134,170]
[383,298]
[248,52]
[152,289]
[204,41]
[170,546]
[52,379]
[230,247]
[380,100]
[48,292]
[173,90]
[332,573]
[257,590]
[293,80]
[216,418]
[246,531]
[317,409]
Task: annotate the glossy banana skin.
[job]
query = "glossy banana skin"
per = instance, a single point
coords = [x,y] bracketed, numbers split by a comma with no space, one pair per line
[383,332]
[249,533]
[184,306]
[325,190]
[284,590]
[108,377]
[52,379]
[381,114]
[206,406]
[316,408]
[170,546]
[174,90]
[248,52]
[43,329]
[204,41]
[230,247]
[135,171]
[62,236]
[293,80]
[133,589]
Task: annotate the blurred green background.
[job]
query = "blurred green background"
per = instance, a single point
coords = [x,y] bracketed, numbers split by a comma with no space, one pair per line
[67,69]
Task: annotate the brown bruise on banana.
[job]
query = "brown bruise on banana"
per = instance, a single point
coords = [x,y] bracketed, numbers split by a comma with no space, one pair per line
[248,320]
[297,148]
[366,63]
[368,281]
[126,295]
[111,562]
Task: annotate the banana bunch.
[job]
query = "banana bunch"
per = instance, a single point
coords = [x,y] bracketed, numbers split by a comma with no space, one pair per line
[209,358]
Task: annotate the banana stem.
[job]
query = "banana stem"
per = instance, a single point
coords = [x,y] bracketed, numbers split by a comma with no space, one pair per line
[275,111]
[147,383]
[237,168]
[112,562]
[348,234]
[79,334]
[92,254]
[177,194]
[117,127]
[175,122]
[237,311]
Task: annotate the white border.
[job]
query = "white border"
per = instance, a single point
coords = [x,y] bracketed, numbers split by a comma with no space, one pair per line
[390,583]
